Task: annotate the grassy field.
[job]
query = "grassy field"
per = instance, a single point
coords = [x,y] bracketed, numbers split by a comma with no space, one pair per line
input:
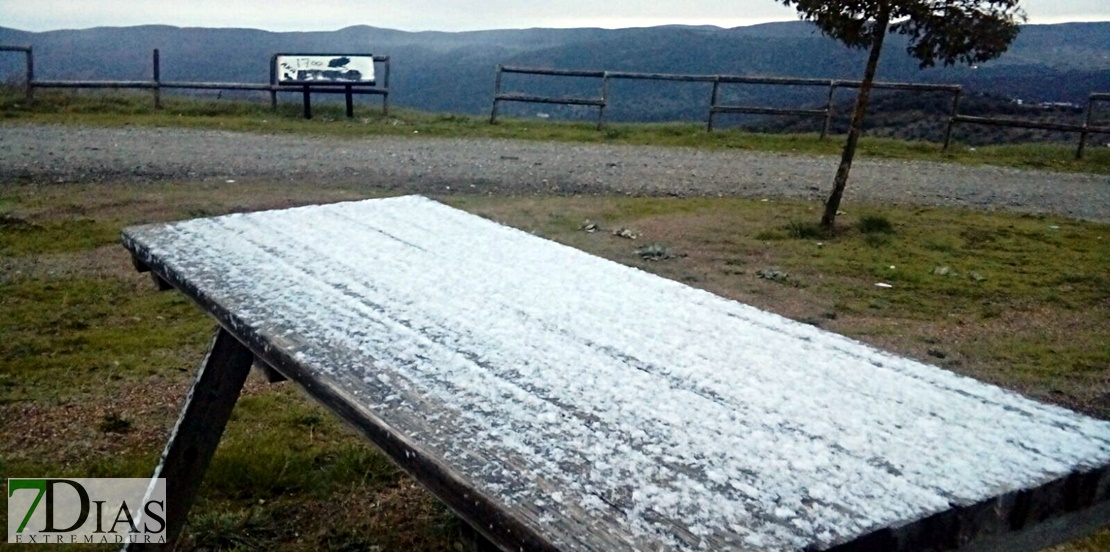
[118,108]
[94,363]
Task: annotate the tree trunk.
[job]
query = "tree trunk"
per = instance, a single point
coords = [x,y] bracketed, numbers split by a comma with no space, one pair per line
[856,128]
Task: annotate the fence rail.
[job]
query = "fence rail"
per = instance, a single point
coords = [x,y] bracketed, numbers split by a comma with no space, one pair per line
[551,72]
[716,108]
[1021,123]
[157,84]
[1094,100]
[1084,130]
[659,77]
[598,102]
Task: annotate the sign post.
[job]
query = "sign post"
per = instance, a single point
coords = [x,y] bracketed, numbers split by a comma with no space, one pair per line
[325,72]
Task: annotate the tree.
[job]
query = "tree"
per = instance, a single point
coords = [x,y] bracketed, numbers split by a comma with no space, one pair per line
[948,31]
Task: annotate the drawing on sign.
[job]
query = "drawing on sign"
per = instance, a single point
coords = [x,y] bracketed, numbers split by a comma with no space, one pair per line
[337,68]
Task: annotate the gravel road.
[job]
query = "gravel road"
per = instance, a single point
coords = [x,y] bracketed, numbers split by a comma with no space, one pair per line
[425,165]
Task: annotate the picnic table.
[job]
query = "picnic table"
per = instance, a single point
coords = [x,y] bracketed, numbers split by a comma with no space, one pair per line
[559,401]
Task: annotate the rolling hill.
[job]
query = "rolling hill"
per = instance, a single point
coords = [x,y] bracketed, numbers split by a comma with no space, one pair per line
[454,72]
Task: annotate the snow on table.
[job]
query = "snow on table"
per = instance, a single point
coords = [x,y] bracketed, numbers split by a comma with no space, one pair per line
[601,407]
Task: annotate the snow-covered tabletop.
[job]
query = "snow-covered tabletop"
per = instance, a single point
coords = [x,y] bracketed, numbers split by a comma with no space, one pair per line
[562,401]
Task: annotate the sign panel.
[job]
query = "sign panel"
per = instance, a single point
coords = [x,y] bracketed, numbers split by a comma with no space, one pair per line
[341,69]
[86,511]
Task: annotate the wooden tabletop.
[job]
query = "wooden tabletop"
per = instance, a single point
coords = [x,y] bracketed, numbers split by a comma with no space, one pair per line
[557,400]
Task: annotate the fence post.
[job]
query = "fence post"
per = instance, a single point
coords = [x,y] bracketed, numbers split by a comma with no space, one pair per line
[1086,125]
[713,102]
[350,98]
[496,93]
[157,80]
[30,76]
[828,111]
[273,82]
[385,97]
[604,99]
[307,103]
[952,118]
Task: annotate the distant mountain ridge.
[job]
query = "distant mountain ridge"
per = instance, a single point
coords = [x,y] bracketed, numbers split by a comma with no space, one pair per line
[454,72]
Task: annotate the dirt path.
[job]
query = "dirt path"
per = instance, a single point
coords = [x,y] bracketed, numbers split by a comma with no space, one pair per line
[75,154]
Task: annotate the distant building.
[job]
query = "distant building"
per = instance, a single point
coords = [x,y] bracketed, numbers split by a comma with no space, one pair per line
[1066,105]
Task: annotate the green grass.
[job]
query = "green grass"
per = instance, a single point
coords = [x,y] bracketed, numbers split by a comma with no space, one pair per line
[88,330]
[94,362]
[805,230]
[875,224]
[19,237]
[118,108]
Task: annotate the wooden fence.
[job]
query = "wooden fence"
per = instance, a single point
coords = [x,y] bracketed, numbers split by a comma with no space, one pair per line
[1084,130]
[156,84]
[715,107]
[598,102]
[30,74]
[601,101]
[827,111]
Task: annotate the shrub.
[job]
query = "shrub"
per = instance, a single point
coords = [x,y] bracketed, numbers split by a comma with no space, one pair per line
[875,224]
[114,423]
[876,239]
[804,230]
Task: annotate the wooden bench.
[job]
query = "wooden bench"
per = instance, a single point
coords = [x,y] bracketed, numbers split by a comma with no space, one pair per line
[559,401]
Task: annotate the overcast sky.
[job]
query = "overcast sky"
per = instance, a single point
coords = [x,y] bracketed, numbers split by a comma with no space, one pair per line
[442,15]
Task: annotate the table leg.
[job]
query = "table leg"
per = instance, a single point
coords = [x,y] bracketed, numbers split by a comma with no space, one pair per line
[198,429]
[158,281]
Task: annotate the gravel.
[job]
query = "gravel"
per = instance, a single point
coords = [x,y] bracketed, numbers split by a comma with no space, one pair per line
[439,165]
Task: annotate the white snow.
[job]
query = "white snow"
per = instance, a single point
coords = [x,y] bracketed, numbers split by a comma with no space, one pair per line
[601,395]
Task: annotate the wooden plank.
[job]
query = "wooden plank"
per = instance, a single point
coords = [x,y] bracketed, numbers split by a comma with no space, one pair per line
[479,510]
[269,372]
[216,86]
[139,265]
[781,81]
[30,76]
[94,84]
[186,85]
[157,79]
[160,283]
[660,77]
[553,72]
[549,100]
[736,109]
[197,433]
[731,79]
[332,89]
[336,85]
[631,413]
[903,86]
[1036,125]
